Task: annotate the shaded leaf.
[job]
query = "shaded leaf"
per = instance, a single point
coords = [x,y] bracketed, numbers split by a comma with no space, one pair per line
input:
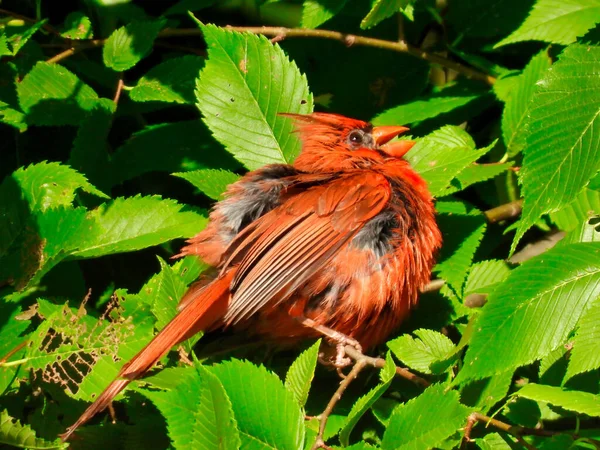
[484,394]
[382,9]
[172,81]
[317,12]
[539,304]
[556,21]
[211,182]
[425,421]
[585,205]
[127,45]
[16,36]
[183,6]
[77,26]
[22,436]
[301,373]
[560,158]
[257,81]
[577,401]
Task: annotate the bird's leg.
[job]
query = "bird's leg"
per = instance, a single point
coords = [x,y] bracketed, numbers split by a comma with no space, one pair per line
[340,340]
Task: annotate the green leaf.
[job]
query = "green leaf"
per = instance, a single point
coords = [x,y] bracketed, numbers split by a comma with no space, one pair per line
[587,231]
[484,394]
[586,204]
[198,412]
[441,155]
[16,36]
[172,81]
[127,45]
[212,182]
[77,26]
[364,403]
[421,353]
[14,434]
[425,421]
[516,110]
[382,9]
[533,311]
[556,21]
[51,95]
[484,276]
[494,441]
[190,147]
[50,185]
[560,158]
[256,81]
[317,12]
[577,401]
[427,107]
[585,355]
[128,224]
[476,173]
[301,373]
[267,414]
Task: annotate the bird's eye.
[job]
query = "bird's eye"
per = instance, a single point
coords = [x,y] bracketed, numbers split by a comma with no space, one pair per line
[356,138]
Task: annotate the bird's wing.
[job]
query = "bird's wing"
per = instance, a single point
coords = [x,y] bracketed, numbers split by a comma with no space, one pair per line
[291,243]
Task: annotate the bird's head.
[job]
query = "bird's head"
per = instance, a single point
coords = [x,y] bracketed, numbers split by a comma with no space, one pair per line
[335,142]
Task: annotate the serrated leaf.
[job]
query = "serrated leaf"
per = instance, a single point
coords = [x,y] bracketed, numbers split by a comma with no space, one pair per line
[556,21]
[475,173]
[585,205]
[317,12]
[52,95]
[190,147]
[462,229]
[267,414]
[485,275]
[560,157]
[441,155]
[127,45]
[382,9]
[128,224]
[22,436]
[172,81]
[577,401]
[212,182]
[364,403]
[585,355]
[256,81]
[425,421]
[587,231]
[77,26]
[534,310]
[198,412]
[516,110]
[484,394]
[301,373]
[448,99]
[494,441]
[419,354]
[18,35]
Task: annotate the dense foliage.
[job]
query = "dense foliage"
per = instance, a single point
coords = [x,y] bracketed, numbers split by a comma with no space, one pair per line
[123,121]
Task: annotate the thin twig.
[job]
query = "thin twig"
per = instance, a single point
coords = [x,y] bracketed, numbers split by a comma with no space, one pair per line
[503,212]
[119,89]
[360,365]
[77,47]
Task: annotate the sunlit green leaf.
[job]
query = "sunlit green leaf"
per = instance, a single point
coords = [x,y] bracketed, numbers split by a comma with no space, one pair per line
[301,373]
[212,182]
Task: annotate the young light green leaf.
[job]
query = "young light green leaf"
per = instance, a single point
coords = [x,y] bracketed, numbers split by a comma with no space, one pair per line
[190,148]
[267,414]
[585,355]
[577,401]
[571,216]
[52,95]
[317,12]
[49,185]
[425,421]
[494,441]
[363,404]
[12,433]
[475,173]
[77,26]
[440,156]
[212,182]
[128,224]
[564,116]
[127,45]
[172,81]
[540,303]
[382,9]
[198,412]
[514,116]
[485,275]
[245,84]
[421,353]
[301,373]
[556,21]
[448,99]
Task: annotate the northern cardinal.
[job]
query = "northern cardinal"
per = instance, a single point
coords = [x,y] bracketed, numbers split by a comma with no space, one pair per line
[339,243]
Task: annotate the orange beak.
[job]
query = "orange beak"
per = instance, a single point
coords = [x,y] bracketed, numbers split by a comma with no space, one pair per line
[382,135]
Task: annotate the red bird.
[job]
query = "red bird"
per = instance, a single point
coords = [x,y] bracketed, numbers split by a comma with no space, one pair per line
[339,243]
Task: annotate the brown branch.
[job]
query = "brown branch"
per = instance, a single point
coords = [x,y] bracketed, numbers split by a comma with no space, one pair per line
[360,365]
[76,48]
[119,89]
[503,212]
